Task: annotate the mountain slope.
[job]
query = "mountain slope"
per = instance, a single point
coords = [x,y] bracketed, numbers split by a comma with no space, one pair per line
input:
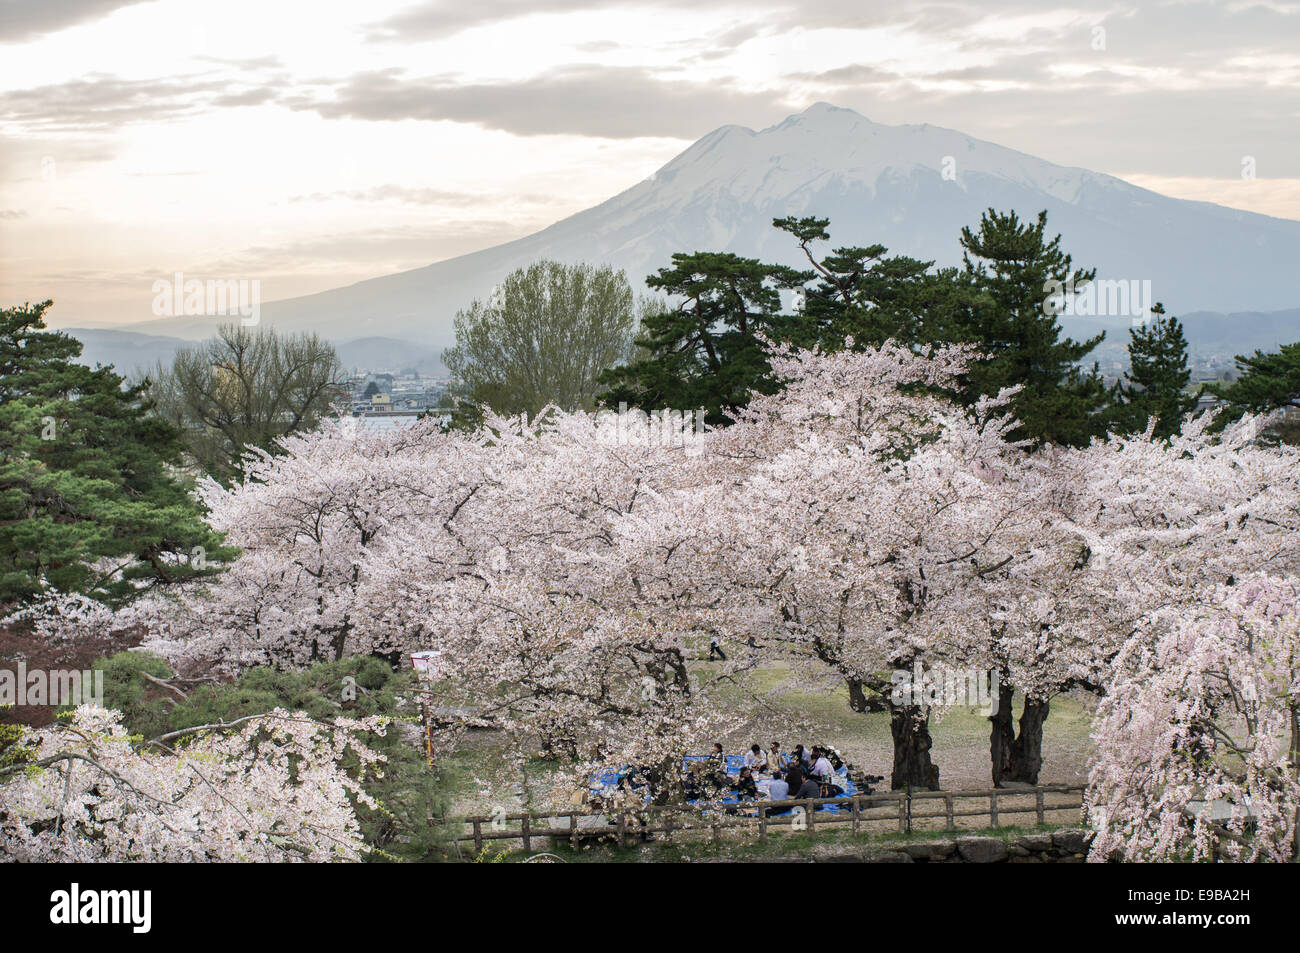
[876,183]
[130,352]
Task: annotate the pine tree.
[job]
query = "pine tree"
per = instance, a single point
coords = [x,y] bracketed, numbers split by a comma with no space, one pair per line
[1266,382]
[705,353]
[1010,270]
[88,502]
[866,294]
[1157,378]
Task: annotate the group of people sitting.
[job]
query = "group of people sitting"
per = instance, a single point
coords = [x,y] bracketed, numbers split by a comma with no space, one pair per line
[803,773]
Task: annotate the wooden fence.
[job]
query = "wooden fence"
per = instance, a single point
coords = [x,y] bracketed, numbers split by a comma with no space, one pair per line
[905,811]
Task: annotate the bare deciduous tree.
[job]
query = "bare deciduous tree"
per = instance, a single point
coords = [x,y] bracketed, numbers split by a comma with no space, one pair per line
[245,388]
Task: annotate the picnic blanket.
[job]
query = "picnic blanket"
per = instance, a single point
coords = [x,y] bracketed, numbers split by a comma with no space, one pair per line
[605,784]
[736,762]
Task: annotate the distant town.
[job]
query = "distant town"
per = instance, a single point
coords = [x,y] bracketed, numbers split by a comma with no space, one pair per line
[384,399]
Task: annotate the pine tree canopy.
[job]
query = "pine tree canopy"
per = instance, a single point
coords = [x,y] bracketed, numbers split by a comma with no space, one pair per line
[88,499]
[705,352]
[1009,267]
[1267,381]
[1157,378]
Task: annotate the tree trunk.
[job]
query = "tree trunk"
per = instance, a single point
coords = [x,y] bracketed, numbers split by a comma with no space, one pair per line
[860,701]
[393,658]
[1016,756]
[666,783]
[857,697]
[912,743]
[1002,737]
[1029,746]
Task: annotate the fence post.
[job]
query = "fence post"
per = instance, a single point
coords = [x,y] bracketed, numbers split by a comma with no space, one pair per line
[857,814]
[902,814]
[993,809]
[573,831]
[949,819]
[809,809]
[524,829]
[478,836]
[762,825]
[1038,803]
[622,828]
[668,826]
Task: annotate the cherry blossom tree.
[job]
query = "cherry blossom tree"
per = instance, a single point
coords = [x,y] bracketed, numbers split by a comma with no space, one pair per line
[548,620]
[570,566]
[1047,621]
[1205,532]
[497,548]
[306,520]
[1198,739]
[1130,526]
[268,788]
[854,516]
[69,617]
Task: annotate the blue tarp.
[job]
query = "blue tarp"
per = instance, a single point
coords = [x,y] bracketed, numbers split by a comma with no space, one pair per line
[606,782]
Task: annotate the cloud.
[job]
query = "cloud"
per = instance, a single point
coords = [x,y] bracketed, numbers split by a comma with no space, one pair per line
[437,19]
[43,159]
[855,74]
[100,103]
[583,100]
[405,195]
[22,20]
[377,250]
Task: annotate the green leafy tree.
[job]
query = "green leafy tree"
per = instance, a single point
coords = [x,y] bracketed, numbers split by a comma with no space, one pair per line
[1010,268]
[706,352]
[88,498]
[1157,379]
[542,338]
[155,701]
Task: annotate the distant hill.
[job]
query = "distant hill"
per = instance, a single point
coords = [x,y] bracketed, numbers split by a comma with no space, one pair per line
[1241,332]
[131,353]
[134,353]
[1209,333]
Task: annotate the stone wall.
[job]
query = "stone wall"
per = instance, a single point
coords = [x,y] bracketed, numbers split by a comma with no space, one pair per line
[1058,847]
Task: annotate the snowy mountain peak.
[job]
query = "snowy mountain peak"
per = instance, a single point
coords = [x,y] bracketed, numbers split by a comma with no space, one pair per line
[911,188]
[825,115]
[826,142]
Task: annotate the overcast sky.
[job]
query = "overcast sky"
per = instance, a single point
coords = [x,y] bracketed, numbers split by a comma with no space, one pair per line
[310,143]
